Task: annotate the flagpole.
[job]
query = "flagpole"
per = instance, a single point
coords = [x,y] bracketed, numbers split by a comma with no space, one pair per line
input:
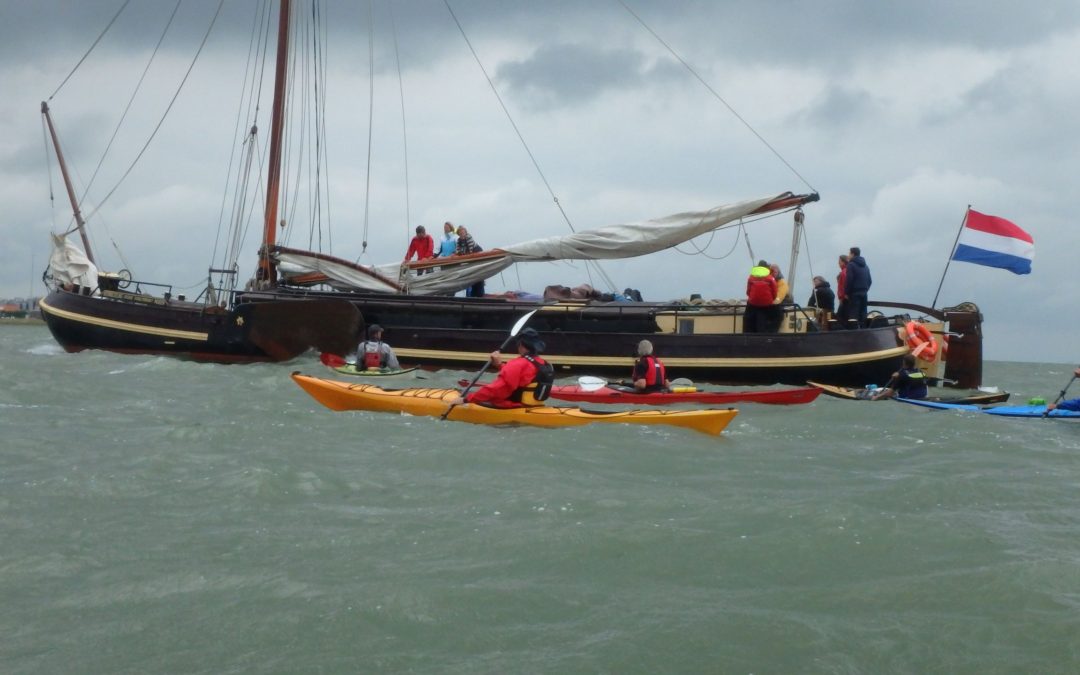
[955,242]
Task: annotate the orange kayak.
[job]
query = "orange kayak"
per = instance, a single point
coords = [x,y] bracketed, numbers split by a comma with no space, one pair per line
[434,402]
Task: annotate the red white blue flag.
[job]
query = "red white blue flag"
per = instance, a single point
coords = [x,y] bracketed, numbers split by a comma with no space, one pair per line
[994,242]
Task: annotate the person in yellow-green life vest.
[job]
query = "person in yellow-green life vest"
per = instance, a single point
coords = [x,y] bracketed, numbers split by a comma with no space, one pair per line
[908,382]
[760,295]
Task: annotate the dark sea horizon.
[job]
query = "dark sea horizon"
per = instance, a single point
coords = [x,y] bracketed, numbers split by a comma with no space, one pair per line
[160,516]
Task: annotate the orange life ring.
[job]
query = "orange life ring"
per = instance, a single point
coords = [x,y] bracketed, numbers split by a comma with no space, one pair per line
[921,341]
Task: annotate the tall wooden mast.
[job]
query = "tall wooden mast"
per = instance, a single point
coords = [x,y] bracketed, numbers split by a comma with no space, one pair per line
[267,269]
[80,224]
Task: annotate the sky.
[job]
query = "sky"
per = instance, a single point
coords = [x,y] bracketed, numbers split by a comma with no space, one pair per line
[899,114]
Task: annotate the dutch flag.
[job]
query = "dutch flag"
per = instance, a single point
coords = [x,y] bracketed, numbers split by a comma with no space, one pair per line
[994,242]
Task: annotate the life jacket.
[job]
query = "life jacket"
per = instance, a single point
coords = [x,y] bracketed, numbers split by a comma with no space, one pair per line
[539,389]
[655,373]
[915,385]
[373,357]
[760,288]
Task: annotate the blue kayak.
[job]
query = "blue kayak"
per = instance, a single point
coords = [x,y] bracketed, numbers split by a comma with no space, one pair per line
[1001,411]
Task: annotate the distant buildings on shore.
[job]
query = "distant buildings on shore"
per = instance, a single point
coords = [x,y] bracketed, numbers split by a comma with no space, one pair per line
[19,308]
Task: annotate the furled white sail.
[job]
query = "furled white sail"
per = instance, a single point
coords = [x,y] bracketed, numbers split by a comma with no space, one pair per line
[69,265]
[634,239]
[453,274]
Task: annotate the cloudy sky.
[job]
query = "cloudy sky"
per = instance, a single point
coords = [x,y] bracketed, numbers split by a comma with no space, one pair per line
[899,114]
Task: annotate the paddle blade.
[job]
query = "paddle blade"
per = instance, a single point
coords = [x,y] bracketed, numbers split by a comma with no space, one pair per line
[331,360]
[521,323]
[590,383]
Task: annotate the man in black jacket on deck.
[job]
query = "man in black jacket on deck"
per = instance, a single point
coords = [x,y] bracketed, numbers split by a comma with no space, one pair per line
[856,286]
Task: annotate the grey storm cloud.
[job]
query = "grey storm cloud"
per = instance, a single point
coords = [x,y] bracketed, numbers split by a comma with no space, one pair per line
[900,113]
[572,73]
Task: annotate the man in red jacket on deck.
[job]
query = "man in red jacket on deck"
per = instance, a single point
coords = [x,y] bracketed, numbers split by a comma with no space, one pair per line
[760,296]
[422,245]
[513,387]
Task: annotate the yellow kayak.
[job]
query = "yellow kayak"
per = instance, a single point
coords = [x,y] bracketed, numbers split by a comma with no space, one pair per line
[434,402]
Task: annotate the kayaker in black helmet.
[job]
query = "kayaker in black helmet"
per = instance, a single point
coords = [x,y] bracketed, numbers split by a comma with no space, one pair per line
[374,354]
[523,381]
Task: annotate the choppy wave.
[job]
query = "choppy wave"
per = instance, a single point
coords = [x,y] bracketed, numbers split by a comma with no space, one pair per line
[160,516]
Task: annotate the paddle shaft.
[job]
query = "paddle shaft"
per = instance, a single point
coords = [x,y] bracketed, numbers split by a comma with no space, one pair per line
[465,391]
[1061,395]
[487,364]
[888,386]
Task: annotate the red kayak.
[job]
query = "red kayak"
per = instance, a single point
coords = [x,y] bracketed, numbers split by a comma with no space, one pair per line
[614,393]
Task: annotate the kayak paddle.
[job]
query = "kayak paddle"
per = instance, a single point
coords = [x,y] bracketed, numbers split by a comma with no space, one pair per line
[506,343]
[590,383]
[332,360]
[1061,395]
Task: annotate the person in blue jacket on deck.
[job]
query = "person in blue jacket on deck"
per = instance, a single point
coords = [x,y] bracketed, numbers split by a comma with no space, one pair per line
[1071,404]
[856,287]
[448,244]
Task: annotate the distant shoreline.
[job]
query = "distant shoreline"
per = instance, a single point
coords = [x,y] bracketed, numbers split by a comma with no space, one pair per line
[25,321]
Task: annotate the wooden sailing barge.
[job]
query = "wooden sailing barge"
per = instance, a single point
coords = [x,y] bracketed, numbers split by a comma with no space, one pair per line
[300,300]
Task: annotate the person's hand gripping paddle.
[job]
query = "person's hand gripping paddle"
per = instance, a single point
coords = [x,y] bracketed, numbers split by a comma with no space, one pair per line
[1061,395]
[506,343]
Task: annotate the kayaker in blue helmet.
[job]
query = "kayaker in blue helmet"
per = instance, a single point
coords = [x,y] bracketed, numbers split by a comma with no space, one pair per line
[521,382]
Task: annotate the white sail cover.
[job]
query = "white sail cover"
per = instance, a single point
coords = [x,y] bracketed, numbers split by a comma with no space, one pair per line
[634,239]
[453,274]
[69,265]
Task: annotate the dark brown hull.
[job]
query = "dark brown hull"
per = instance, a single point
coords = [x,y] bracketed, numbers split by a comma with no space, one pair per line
[261,329]
[459,333]
[601,339]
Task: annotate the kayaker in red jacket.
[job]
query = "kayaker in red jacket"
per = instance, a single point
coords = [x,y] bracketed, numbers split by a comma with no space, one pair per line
[649,372]
[513,388]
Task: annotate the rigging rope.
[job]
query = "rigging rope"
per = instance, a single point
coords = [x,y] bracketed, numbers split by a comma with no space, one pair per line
[254,44]
[525,145]
[131,100]
[701,250]
[48,171]
[809,257]
[404,134]
[323,148]
[111,22]
[371,122]
[715,94]
[165,114]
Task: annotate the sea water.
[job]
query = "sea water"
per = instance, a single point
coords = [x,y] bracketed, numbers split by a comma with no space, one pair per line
[159,516]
